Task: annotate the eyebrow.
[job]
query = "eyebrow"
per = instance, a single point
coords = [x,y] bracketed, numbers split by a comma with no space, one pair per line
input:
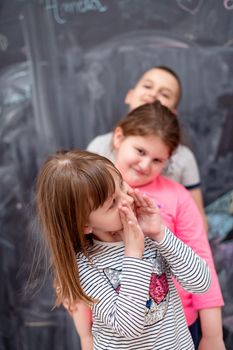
[147,80]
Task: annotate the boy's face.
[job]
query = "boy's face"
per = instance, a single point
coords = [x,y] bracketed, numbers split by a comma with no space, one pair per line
[155,84]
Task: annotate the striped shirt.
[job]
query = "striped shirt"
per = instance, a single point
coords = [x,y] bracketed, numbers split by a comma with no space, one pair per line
[138,306]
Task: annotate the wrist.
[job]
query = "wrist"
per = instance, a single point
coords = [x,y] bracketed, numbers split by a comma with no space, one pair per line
[133,254]
[159,236]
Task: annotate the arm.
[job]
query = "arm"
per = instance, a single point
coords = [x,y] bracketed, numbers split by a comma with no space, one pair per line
[190,270]
[211,328]
[82,317]
[180,257]
[198,199]
[189,228]
[186,172]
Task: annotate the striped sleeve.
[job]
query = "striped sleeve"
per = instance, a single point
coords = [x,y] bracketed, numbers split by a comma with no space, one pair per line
[190,270]
[122,311]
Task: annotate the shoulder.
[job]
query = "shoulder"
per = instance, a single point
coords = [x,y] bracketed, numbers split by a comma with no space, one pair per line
[183,168]
[173,191]
[100,139]
[102,145]
[170,184]
[183,154]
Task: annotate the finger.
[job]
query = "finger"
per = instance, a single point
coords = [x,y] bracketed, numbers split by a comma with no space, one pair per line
[149,202]
[128,213]
[137,196]
[143,200]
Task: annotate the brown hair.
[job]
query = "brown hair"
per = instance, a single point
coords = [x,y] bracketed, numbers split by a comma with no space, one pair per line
[152,119]
[70,185]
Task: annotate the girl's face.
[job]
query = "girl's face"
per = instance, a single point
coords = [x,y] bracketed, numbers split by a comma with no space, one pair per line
[105,222]
[140,159]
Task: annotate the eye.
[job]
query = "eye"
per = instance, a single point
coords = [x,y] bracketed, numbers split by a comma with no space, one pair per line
[113,204]
[147,86]
[140,151]
[122,184]
[157,161]
[165,94]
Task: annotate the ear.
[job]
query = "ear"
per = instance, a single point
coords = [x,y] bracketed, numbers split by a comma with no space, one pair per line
[128,97]
[87,229]
[118,137]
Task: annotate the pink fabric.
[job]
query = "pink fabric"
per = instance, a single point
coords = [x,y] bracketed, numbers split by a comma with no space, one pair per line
[182,217]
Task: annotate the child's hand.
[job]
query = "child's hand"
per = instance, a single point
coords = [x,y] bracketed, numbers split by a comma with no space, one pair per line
[132,234]
[148,216]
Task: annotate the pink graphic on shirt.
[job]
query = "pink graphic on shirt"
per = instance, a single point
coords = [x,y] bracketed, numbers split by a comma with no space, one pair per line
[158,287]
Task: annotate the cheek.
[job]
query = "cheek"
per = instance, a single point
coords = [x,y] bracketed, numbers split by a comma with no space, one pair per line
[156,170]
[122,159]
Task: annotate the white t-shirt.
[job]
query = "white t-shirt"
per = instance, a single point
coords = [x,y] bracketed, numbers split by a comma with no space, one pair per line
[181,167]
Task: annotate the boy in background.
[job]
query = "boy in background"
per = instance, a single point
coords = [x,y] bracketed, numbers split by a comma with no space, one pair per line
[163,84]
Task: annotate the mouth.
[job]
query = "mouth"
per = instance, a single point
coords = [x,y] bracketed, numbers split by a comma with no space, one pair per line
[147,100]
[116,235]
[140,172]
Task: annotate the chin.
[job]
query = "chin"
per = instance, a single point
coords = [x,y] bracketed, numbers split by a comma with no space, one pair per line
[142,183]
[135,184]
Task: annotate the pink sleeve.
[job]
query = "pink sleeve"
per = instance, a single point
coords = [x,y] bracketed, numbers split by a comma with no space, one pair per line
[189,228]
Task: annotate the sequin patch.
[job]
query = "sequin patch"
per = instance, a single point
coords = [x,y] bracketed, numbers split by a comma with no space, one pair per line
[158,296]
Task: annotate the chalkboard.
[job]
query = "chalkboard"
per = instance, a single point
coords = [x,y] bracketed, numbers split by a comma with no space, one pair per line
[65,67]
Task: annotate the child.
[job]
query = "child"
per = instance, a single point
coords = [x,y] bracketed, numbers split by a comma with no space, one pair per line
[161,83]
[110,251]
[141,144]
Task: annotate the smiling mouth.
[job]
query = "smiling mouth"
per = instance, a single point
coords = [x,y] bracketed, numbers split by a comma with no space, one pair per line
[139,172]
[148,100]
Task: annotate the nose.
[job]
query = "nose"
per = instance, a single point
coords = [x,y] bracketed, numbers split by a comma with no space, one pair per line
[129,199]
[145,165]
[126,197]
[154,95]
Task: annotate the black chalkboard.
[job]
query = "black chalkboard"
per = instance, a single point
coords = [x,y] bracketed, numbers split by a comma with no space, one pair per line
[65,67]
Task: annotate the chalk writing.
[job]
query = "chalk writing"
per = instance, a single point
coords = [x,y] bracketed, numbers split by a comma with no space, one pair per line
[3,42]
[60,10]
[228,4]
[191,6]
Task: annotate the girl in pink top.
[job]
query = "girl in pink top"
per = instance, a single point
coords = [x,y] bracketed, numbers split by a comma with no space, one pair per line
[142,143]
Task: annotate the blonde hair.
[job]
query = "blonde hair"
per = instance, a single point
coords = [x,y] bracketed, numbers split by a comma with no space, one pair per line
[70,185]
[153,119]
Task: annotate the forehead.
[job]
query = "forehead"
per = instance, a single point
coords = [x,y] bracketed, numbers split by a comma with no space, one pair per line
[162,77]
